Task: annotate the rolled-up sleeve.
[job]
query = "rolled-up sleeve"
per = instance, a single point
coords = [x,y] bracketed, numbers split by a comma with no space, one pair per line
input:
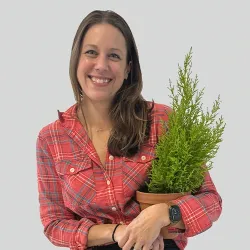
[61,225]
[200,210]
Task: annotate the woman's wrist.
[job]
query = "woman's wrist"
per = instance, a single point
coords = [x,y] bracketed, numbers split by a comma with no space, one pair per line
[162,214]
[113,234]
[102,234]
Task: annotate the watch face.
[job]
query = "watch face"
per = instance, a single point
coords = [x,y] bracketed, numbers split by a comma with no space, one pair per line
[174,213]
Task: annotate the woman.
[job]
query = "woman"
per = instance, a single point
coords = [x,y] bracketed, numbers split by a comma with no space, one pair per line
[95,156]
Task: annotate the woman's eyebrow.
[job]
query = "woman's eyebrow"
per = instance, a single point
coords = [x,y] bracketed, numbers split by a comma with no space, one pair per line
[89,45]
[94,46]
[116,49]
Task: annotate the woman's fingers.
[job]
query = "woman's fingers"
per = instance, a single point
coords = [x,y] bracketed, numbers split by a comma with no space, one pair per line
[161,247]
[122,241]
[158,244]
[138,246]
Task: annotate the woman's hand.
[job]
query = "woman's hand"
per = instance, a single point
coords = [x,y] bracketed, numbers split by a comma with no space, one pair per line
[158,244]
[143,231]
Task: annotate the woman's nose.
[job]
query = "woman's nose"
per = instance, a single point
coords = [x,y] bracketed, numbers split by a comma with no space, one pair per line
[101,63]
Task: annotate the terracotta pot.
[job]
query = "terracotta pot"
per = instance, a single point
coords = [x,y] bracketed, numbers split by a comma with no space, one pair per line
[149,199]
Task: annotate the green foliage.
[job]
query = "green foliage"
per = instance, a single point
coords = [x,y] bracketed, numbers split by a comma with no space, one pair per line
[192,138]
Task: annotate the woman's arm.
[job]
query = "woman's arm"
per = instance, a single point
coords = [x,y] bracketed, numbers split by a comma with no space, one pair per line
[61,226]
[200,210]
[102,234]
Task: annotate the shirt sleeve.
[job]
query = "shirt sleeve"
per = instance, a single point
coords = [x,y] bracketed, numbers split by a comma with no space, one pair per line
[61,225]
[200,210]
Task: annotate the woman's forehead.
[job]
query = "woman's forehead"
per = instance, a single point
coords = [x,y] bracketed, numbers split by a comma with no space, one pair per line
[105,35]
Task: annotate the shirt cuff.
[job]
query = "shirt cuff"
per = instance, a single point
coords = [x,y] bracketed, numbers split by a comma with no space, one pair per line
[194,215]
[81,238]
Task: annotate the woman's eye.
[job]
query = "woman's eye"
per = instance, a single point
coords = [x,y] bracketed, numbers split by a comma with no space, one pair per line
[91,52]
[115,56]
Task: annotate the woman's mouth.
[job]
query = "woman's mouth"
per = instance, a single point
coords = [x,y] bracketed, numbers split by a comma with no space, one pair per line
[100,81]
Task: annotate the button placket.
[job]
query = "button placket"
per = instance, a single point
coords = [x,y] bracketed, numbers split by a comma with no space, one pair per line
[107,175]
[111,157]
[108,181]
[72,170]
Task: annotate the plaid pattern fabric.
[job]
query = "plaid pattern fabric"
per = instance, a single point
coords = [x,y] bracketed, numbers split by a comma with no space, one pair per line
[77,192]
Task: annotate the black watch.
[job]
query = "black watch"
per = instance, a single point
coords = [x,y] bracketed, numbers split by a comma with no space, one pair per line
[174,214]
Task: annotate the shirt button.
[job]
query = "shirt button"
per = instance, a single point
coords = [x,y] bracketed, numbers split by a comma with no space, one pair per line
[108,182]
[111,157]
[113,208]
[143,157]
[72,170]
[121,222]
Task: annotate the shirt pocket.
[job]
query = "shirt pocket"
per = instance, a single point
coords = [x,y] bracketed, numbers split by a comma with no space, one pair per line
[77,180]
[135,170]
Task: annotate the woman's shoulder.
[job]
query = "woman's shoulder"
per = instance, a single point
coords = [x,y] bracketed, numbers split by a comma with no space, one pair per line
[160,110]
[159,115]
[48,129]
[57,126]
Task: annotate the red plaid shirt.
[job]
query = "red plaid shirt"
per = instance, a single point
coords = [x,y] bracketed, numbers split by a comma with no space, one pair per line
[77,192]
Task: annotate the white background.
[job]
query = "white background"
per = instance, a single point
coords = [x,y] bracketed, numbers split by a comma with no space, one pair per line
[35,44]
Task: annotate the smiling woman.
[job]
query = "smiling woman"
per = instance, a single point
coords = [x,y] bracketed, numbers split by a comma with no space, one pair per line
[96,155]
[103,64]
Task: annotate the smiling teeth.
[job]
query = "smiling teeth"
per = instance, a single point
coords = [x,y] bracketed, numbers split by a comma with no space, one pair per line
[100,80]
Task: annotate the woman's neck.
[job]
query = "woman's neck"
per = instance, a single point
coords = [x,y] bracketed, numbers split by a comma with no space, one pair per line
[96,115]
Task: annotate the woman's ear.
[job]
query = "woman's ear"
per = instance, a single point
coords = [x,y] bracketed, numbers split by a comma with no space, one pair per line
[128,70]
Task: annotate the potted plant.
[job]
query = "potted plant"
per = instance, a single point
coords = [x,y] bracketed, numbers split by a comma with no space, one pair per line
[190,141]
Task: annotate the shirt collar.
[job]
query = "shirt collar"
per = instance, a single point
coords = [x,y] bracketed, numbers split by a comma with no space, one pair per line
[68,115]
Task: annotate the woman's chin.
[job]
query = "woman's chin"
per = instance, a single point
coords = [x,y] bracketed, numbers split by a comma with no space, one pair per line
[100,98]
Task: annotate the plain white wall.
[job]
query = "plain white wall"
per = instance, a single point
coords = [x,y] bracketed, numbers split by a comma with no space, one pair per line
[36,39]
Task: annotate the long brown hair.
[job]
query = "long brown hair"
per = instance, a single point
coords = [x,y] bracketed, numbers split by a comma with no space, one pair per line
[130,113]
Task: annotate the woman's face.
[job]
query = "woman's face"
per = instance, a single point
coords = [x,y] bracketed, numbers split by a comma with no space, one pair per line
[102,64]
